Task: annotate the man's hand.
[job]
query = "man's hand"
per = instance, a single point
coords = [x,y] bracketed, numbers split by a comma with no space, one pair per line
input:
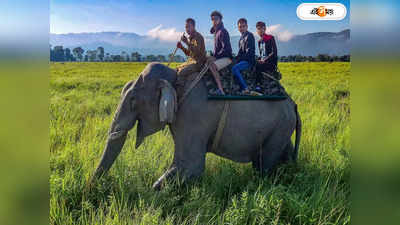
[184,39]
[264,60]
[179,45]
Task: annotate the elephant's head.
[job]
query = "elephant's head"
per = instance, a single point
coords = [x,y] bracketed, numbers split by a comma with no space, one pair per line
[151,101]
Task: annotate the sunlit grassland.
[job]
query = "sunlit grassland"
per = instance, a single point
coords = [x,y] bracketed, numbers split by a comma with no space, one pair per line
[83,98]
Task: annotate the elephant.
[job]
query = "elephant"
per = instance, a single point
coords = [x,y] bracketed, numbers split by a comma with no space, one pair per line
[256,131]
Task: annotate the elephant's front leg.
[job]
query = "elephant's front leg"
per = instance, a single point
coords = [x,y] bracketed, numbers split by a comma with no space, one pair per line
[170,173]
[189,160]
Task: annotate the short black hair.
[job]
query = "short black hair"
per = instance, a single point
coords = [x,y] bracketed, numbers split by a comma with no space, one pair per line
[190,20]
[260,24]
[216,13]
[242,20]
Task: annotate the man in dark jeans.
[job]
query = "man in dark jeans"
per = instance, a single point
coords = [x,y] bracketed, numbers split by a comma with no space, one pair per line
[268,52]
[246,55]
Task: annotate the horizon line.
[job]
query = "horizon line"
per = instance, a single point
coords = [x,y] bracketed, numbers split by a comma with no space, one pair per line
[94,32]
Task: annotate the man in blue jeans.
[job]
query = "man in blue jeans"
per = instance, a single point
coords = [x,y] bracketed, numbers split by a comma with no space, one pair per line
[246,54]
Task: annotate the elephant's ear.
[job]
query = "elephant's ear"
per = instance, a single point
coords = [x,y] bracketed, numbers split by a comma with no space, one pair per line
[168,102]
[126,87]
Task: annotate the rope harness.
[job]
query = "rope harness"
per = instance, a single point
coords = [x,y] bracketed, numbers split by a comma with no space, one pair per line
[194,83]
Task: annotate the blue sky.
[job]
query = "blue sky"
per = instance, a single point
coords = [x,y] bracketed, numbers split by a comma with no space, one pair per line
[76,16]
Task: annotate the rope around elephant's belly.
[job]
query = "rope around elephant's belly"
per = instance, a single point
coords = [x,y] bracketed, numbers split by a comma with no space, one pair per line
[221,126]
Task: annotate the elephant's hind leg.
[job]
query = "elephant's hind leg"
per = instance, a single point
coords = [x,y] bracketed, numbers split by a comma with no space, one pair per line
[289,154]
[271,154]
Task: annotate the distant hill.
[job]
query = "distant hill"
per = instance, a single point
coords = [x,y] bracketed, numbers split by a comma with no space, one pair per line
[114,42]
[317,43]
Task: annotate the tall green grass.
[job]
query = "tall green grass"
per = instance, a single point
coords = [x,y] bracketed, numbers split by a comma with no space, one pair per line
[314,191]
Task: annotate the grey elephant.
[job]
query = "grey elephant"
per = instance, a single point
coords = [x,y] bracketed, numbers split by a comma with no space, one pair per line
[255,131]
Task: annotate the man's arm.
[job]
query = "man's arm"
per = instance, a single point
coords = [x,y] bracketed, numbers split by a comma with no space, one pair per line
[250,47]
[274,48]
[240,52]
[185,50]
[221,40]
[201,46]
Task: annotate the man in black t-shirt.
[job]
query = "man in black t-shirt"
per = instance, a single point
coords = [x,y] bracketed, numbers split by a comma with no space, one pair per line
[268,52]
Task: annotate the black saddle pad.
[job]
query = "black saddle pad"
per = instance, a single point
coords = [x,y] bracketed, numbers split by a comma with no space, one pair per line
[269,88]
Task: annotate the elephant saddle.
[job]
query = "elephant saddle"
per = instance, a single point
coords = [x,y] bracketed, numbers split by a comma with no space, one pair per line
[269,86]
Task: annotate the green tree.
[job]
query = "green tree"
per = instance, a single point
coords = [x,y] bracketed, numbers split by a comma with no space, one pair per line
[151,58]
[323,58]
[298,58]
[51,54]
[68,55]
[59,54]
[345,58]
[100,53]
[136,57]
[116,58]
[78,53]
[92,55]
[161,58]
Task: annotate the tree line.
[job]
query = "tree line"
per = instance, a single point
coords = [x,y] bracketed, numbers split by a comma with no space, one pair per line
[59,54]
[78,54]
[318,58]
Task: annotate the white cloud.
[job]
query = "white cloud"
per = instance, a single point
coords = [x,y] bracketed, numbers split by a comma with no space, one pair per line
[280,33]
[168,34]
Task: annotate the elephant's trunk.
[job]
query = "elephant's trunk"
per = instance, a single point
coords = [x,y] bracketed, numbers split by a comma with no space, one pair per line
[111,151]
[124,119]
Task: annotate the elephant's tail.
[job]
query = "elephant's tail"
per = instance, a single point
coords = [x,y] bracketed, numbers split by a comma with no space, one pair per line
[298,133]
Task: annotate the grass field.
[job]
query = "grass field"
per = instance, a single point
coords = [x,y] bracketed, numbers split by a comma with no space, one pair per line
[83,97]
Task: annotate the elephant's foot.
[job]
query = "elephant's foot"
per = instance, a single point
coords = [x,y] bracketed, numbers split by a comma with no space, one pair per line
[166,176]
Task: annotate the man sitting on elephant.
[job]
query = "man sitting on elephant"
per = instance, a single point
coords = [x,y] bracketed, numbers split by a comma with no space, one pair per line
[246,55]
[268,61]
[195,51]
[222,48]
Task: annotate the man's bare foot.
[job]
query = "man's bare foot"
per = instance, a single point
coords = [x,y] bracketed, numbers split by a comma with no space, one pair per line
[220,92]
[255,93]
[245,92]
